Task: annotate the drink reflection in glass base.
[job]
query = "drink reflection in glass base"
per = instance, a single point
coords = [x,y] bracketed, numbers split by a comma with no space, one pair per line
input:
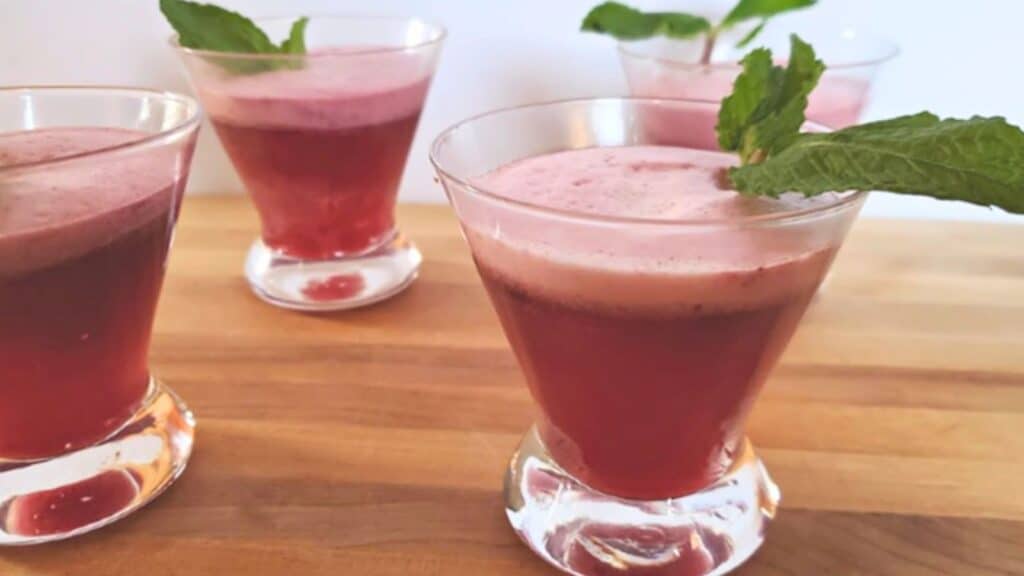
[94,486]
[585,531]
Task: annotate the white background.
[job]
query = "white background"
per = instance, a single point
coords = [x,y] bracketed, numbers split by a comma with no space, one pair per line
[958,58]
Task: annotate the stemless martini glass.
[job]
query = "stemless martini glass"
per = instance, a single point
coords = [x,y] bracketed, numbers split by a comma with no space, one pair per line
[644,339]
[320,141]
[91,181]
[666,68]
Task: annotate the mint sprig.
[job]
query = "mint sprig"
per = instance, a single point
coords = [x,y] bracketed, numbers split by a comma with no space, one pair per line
[296,41]
[766,108]
[210,27]
[978,160]
[626,23]
[763,9]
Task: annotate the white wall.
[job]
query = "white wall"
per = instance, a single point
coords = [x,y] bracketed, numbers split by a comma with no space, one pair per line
[959,58]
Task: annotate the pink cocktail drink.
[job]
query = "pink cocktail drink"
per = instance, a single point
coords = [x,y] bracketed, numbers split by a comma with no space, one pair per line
[321,153]
[82,360]
[87,213]
[646,305]
[837,102]
[663,68]
[320,141]
[644,373]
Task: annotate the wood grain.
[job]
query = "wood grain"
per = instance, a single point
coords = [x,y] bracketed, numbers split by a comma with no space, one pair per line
[373,442]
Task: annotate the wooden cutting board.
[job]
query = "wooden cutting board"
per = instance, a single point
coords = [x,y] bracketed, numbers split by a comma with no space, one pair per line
[373,442]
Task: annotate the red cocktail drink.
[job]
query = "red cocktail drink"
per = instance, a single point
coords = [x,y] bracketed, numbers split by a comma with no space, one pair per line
[646,306]
[320,141]
[643,368]
[81,361]
[322,192]
[673,384]
[322,149]
[86,220]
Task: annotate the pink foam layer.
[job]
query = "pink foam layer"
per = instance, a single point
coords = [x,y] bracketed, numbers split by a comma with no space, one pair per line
[836,102]
[658,182]
[50,214]
[711,267]
[335,89]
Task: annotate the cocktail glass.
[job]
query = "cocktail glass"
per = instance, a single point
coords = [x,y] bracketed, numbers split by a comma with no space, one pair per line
[644,343]
[91,181]
[665,68]
[320,141]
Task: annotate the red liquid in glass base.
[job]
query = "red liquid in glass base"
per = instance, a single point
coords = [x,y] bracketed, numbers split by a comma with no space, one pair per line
[68,508]
[334,288]
[321,193]
[642,405]
[74,341]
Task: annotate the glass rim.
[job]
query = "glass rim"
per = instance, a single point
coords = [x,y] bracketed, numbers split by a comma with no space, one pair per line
[438,36]
[190,123]
[889,51]
[844,200]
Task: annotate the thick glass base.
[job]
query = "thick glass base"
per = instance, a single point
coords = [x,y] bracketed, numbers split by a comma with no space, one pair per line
[81,491]
[588,533]
[337,283]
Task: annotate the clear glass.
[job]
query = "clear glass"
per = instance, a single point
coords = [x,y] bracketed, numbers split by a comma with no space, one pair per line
[665,68]
[638,459]
[320,141]
[91,181]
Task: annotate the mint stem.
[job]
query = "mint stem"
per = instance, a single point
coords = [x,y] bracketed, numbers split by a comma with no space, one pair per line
[709,46]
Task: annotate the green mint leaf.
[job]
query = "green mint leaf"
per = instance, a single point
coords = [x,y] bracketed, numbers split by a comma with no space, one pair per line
[210,27]
[764,9]
[765,111]
[746,40]
[296,41]
[625,23]
[980,160]
[751,92]
[776,130]
[919,120]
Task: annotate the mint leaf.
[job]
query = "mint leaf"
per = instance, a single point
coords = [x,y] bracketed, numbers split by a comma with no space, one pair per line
[751,94]
[980,160]
[210,27]
[296,41]
[746,40]
[765,111]
[764,9]
[774,132]
[627,23]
